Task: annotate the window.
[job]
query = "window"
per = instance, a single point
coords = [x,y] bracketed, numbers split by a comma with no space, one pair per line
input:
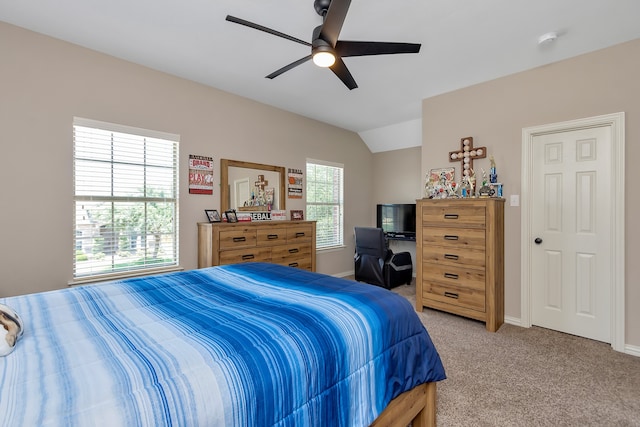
[325,202]
[125,200]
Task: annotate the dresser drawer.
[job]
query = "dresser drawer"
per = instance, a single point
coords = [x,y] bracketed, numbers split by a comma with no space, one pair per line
[292,242]
[245,255]
[453,215]
[459,276]
[237,238]
[458,257]
[299,233]
[473,299]
[297,251]
[304,264]
[454,238]
[272,236]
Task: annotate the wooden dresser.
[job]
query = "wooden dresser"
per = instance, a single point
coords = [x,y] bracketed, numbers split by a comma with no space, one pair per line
[460,251]
[291,243]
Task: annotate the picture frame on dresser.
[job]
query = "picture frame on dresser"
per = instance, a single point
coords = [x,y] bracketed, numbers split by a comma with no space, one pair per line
[231,215]
[213,215]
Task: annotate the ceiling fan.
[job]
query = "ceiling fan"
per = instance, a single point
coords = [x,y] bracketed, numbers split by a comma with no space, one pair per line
[326,49]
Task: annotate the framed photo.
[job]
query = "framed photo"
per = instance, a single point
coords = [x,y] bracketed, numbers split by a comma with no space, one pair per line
[436,175]
[212,215]
[231,215]
[297,215]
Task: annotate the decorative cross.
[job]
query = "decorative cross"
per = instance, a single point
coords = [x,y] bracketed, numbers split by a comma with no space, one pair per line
[261,183]
[467,154]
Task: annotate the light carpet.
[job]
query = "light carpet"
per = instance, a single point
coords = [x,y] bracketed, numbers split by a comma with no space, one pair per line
[528,376]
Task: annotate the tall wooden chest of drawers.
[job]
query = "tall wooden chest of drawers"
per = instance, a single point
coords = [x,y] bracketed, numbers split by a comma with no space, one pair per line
[460,250]
[291,243]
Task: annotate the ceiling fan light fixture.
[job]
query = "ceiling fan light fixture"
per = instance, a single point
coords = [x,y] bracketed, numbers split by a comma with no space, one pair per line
[323,56]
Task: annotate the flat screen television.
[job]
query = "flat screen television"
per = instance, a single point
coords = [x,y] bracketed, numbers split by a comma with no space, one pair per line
[398,221]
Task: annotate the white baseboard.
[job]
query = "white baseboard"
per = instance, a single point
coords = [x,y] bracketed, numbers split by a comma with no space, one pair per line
[344,274]
[515,321]
[633,350]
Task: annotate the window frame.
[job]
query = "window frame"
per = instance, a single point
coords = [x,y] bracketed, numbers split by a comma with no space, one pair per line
[144,202]
[322,242]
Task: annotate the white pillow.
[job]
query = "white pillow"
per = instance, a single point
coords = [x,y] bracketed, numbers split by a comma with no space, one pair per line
[10,329]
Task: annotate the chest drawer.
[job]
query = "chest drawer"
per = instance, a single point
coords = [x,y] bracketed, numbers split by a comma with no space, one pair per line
[458,257]
[300,233]
[237,238]
[272,236]
[245,255]
[453,215]
[462,277]
[473,299]
[454,237]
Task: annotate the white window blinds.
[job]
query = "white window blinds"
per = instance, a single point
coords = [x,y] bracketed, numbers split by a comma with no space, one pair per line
[125,199]
[325,202]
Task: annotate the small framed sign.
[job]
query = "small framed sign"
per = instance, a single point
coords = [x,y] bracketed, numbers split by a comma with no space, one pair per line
[297,215]
[213,215]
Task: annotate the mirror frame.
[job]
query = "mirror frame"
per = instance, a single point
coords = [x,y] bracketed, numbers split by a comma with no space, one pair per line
[225,164]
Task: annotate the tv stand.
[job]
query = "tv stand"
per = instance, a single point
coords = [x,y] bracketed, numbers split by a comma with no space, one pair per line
[401,236]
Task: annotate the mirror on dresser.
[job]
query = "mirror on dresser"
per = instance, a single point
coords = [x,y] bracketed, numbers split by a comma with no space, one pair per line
[246,186]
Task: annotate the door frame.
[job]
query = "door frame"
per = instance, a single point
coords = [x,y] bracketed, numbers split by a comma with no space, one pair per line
[616,124]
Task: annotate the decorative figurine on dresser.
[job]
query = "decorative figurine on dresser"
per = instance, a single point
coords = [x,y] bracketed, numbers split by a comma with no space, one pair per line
[460,257]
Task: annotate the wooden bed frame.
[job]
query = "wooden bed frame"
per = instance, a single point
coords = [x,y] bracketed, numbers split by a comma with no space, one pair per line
[416,407]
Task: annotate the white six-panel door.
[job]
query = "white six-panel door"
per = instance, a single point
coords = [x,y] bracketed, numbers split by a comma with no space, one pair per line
[567,203]
[571,222]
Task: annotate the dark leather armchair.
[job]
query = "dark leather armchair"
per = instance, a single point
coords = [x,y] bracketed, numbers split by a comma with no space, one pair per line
[376,264]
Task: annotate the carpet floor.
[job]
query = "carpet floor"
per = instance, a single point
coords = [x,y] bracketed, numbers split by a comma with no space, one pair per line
[528,376]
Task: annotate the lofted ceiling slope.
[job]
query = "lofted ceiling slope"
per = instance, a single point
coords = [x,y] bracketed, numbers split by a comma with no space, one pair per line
[464,42]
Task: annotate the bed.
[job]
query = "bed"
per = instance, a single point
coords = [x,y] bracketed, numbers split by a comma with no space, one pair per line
[238,345]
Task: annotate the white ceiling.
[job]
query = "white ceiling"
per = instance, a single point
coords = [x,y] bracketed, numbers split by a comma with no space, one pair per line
[464,42]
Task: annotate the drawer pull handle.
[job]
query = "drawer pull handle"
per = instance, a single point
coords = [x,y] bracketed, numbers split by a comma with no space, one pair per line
[451,256]
[293,251]
[450,216]
[450,237]
[272,236]
[293,264]
[240,239]
[451,295]
[249,256]
[451,276]
[300,234]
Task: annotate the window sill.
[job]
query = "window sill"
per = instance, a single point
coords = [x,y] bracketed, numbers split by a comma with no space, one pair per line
[331,248]
[123,275]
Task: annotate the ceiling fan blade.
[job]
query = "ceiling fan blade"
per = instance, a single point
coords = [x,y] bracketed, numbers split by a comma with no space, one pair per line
[357,48]
[333,21]
[288,67]
[265,29]
[340,69]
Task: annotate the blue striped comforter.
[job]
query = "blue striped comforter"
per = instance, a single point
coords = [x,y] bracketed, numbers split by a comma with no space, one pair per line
[238,345]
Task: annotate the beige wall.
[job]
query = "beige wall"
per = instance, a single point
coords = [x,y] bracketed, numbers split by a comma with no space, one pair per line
[495,113]
[44,83]
[396,179]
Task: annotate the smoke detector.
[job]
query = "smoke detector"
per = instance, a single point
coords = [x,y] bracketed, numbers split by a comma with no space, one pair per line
[547,38]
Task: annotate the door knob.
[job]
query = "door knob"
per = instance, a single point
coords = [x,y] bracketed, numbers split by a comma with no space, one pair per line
[538,240]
